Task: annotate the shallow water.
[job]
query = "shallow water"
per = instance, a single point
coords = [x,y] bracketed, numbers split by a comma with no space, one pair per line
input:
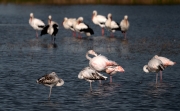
[153,30]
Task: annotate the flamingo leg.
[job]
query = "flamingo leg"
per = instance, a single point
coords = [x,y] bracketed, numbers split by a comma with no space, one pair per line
[90,87]
[160,76]
[156,77]
[124,35]
[100,82]
[50,91]
[102,31]
[110,79]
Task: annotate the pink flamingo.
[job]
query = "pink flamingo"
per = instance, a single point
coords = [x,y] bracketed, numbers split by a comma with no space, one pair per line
[111,70]
[101,63]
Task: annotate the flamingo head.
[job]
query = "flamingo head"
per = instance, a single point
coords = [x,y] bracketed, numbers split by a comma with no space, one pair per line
[145,69]
[114,69]
[126,17]
[92,52]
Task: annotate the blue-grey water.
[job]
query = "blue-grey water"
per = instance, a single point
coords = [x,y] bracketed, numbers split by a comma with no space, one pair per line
[23,59]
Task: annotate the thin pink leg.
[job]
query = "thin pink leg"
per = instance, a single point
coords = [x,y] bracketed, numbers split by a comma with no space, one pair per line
[160,76]
[110,79]
[102,30]
[124,35]
[156,77]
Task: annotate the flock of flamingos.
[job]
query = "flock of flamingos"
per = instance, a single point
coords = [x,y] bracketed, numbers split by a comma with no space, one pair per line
[98,63]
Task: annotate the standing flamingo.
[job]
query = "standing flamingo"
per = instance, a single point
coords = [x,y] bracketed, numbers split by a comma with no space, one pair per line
[99,62]
[166,62]
[111,70]
[68,24]
[124,24]
[111,25]
[90,75]
[154,65]
[50,80]
[52,29]
[36,24]
[99,20]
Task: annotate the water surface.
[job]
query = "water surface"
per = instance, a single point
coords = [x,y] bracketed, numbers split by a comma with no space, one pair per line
[23,59]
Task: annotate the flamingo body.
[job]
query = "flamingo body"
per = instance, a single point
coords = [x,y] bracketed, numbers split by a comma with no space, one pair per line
[50,80]
[90,75]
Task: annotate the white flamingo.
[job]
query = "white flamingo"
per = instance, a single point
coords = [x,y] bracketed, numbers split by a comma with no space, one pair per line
[99,20]
[81,27]
[36,24]
[166,62]
[68,24]
[111,25]
[50,80]
[90,75]
[154,65]
[52,29]
[124,24]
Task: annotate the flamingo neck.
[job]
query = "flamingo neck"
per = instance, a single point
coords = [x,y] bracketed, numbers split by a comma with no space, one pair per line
[145,68]
[87,56]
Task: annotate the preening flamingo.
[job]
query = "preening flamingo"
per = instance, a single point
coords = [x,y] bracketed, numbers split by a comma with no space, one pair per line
[154,65]
[90,75]
[50,80]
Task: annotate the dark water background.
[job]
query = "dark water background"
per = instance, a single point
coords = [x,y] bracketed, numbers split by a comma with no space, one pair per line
[23,59]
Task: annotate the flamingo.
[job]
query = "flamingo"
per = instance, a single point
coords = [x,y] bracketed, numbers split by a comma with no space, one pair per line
[124,24]
[68,24]
[50,80]
[90,75]
[36,24]
[111,70]
[154,65]
[99,62]
[166,62]
[111,25]
[81,27]
[99,20]
[51,28]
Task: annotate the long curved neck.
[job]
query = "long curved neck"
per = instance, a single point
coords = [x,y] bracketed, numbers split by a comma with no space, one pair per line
[145,69]
[87,56]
